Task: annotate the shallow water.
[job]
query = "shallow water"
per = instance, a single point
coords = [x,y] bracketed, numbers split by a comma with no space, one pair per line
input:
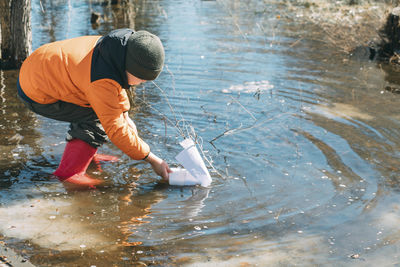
[303,141]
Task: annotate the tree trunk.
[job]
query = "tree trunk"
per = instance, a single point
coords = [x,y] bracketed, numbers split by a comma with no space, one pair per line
[5,30]
[16,44]
[390,35]
[21,30]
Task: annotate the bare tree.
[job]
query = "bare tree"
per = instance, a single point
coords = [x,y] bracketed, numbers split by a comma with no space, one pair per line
[5,24]
[16,35]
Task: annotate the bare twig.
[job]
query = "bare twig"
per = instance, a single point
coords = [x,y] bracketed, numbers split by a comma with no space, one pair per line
[256,124]
[185,129]
[234,20]
[296,42]
[245,109]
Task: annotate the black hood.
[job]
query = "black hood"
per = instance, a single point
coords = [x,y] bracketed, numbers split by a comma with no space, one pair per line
[108,60]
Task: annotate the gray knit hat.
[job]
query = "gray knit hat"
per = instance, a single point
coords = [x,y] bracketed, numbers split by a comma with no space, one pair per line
[144,55]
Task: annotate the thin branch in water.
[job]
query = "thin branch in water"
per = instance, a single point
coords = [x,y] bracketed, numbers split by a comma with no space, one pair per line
[169,104]
[209,161]
[185,129]
[256,124]
[296,42]
[172,76]
[165,127]
[245,109]
[227,132]
[41,7]
[234,21]
[162,115]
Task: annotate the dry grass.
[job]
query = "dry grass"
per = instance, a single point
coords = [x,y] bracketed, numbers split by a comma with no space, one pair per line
[345,24]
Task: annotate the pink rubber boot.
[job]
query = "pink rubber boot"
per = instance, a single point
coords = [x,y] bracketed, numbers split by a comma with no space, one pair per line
[74,162]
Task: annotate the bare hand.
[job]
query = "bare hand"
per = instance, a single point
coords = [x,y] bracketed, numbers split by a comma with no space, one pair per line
[159,166]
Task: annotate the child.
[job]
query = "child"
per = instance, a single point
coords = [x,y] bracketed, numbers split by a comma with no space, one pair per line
[82,81]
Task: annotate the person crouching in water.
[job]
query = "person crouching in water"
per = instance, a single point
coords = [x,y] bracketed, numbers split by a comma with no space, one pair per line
[82,81]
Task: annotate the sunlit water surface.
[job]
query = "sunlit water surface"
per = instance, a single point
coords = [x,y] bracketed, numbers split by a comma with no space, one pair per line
[304,144]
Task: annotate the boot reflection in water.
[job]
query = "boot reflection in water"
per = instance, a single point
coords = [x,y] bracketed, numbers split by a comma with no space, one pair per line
[75,161]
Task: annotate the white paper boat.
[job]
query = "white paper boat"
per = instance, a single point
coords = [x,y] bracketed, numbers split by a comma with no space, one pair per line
[195,171]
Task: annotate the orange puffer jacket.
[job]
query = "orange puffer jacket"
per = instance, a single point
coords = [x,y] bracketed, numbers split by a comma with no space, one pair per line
[88,71]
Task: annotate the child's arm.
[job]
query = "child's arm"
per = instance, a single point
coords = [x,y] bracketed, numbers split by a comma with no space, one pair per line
[130,122]
[104,97]
[120,128]
[159,166]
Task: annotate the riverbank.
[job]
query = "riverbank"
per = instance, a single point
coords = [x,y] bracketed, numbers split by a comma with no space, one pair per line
[345,24]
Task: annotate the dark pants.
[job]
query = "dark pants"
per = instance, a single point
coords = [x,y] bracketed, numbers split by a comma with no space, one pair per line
[84,123]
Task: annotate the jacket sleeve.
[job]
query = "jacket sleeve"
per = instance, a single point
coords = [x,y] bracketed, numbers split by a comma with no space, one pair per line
[104,97]
[124,101]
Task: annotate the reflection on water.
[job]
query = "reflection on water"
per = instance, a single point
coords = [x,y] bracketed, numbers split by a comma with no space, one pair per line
[304,145]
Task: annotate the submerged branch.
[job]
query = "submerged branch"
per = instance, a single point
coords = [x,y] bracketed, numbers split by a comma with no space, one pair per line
[256,124]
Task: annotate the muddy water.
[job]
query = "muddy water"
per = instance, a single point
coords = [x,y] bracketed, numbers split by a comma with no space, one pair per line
[303,141]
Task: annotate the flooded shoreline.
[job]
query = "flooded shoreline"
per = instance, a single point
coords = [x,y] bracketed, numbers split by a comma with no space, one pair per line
[304,142]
